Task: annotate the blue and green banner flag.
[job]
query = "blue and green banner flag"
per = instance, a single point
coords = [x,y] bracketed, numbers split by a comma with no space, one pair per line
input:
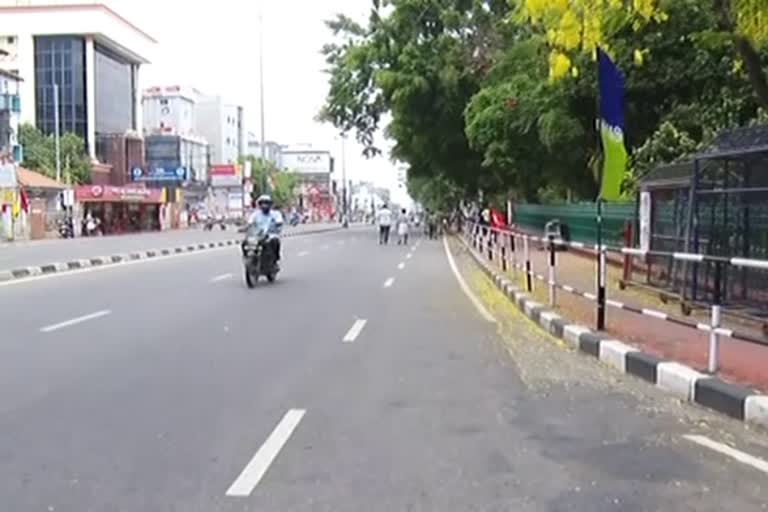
[611,83]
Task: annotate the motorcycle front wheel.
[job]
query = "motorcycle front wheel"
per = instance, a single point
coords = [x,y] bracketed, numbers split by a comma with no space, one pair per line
[250,279]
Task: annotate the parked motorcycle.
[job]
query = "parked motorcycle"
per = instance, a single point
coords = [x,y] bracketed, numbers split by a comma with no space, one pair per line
[259,257]
[66,228]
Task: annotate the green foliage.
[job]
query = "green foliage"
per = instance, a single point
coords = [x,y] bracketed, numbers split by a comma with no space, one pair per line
[40,155]
[466,88]
[265,172]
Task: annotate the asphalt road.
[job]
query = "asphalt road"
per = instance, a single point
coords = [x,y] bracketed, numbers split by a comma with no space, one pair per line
[41,252]
[352,384]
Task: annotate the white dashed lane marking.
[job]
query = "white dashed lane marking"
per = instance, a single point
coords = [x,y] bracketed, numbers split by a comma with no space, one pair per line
[389,282]
[259,464]
[355,330]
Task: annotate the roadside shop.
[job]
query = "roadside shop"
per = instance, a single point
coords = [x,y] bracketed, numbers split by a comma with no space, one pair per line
[120,210]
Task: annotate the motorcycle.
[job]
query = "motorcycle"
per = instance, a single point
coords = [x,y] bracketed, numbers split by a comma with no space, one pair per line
[258,257]
[65,228]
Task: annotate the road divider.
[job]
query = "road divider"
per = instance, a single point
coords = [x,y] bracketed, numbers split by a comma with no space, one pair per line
[75,321]
[252,474]
[355,330]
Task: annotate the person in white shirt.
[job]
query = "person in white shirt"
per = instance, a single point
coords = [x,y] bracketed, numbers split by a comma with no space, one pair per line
[384,218]
[402,228]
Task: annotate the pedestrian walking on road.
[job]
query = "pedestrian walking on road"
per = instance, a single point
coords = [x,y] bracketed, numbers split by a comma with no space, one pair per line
[384,218]
[402,228]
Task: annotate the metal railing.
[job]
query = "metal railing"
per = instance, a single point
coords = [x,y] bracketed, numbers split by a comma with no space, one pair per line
[511,250]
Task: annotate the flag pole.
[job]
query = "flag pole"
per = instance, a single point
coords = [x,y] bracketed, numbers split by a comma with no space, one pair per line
[600,274]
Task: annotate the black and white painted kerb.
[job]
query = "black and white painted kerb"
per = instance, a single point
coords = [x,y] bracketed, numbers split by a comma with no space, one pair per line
[682,381]
[115,259]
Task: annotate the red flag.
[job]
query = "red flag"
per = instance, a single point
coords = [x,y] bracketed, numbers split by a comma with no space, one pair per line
[24,198]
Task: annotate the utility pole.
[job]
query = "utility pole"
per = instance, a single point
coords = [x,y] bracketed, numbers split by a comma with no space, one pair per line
[57,131]
[261,100]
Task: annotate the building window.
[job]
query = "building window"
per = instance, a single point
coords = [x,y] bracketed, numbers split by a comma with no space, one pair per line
[114,94]
[60,60]
[10,40]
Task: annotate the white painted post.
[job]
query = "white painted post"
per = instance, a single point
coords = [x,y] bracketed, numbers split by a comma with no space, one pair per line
[714,341]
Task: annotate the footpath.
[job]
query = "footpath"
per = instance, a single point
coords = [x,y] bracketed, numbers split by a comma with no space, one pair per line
[740,361]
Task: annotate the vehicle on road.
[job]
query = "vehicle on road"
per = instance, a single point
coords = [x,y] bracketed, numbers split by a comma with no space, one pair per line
[259,256]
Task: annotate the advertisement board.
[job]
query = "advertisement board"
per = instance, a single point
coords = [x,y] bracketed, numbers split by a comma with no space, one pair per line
[226,180]
[307,162]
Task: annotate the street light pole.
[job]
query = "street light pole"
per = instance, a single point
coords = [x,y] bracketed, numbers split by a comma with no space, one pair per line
[261,100]
[57,131]
[344,212]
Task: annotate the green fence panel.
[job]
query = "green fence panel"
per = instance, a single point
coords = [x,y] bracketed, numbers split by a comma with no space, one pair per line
[580,219]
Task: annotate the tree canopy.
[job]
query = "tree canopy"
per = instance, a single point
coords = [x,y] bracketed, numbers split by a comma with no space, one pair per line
[40,154]
[501,95]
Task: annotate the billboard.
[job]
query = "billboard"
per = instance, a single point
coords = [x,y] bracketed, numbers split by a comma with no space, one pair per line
[307,162]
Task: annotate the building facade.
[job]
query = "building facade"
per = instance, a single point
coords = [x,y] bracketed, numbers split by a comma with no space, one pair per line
[10,115]
[87,53]
[170,126]
[222,125]
[272,150]
[170,110]
[173,152]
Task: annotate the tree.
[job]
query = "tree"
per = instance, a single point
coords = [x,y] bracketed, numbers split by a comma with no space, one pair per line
[417,65]
[281,184]
[40,154]
[578,26]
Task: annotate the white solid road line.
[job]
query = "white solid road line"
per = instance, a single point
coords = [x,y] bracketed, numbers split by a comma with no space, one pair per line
[478,305]
[355,330]
[111,266]
[401,266]
[248,480]
[740,456]
[303,253]
[222,277]
[389,282]
[74,321]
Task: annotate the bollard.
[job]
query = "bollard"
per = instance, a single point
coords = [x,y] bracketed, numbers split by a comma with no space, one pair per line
[714,337]
[503,258]
[601,288]
[552,283]
[528,272]
[514,252]
[490,245]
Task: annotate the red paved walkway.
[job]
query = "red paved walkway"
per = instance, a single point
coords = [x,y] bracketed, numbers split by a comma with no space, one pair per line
[740,361]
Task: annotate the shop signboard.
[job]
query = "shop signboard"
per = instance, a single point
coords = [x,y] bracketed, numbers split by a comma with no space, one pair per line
[110,194]
[175,173]
[224,170]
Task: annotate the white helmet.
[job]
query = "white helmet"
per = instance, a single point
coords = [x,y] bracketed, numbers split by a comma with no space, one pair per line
[264,198]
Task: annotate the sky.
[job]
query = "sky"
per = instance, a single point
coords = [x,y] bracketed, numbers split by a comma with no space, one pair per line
[222,36]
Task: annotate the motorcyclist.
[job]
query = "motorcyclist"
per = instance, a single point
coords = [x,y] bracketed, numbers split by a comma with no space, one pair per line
[271,221]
